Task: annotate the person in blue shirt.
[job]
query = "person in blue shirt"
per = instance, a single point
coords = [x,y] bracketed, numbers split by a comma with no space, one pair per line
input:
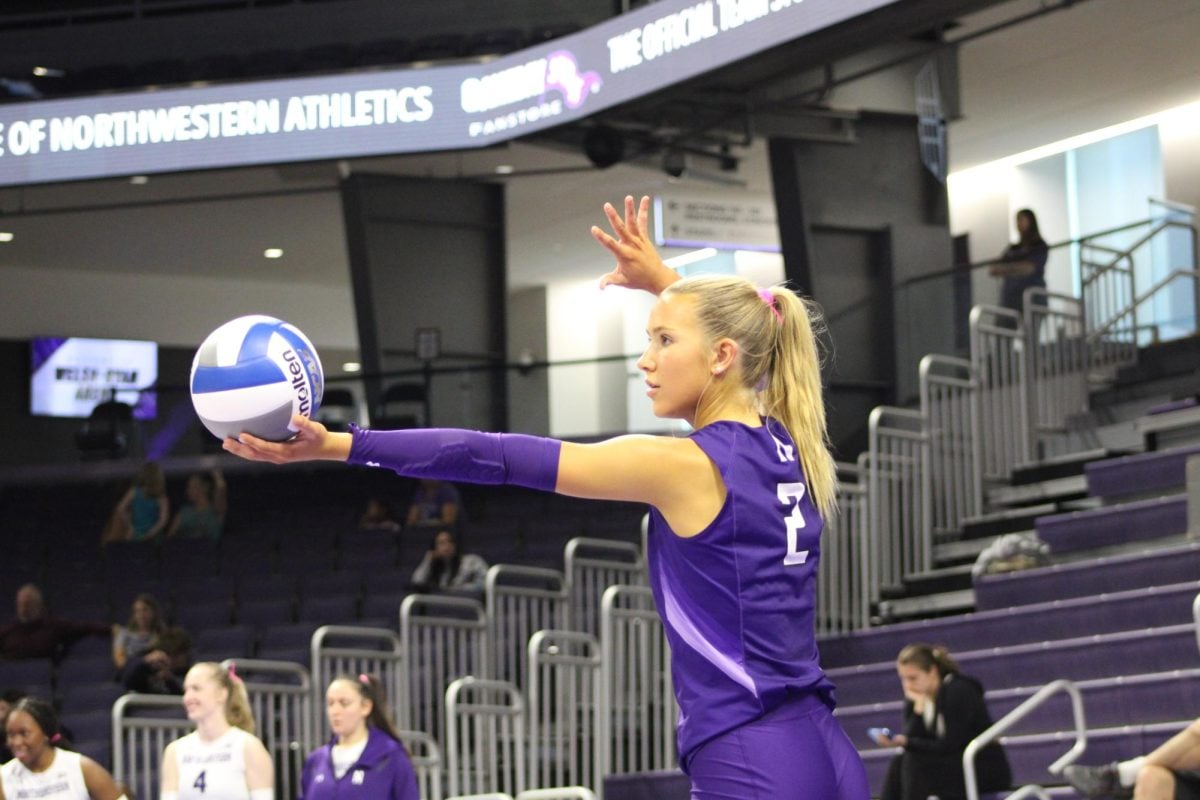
[364,758]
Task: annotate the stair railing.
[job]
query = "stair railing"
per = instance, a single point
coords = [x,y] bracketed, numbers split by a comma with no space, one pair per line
[950,405]
[898,502]
[998,357]
[1012,718]
[843,587]
[1056,354]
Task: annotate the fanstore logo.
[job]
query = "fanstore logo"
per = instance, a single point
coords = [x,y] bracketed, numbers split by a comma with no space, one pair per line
[299,383]
[534,80]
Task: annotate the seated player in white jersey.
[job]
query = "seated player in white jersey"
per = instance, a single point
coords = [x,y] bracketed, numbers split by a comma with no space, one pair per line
[222,759]
[41,768]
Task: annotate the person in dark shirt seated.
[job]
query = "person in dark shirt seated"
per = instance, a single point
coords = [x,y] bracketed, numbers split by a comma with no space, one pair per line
[161,670]
[36,634]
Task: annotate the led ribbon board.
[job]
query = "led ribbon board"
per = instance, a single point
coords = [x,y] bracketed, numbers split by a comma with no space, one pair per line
[359,114]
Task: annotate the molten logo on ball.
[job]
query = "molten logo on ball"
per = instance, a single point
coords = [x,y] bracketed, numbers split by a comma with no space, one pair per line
[252,374]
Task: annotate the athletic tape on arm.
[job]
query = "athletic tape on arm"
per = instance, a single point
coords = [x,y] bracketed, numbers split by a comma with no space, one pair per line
[451,454]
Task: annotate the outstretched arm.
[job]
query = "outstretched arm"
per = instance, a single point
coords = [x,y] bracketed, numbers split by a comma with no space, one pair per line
[638,263]
[671,474]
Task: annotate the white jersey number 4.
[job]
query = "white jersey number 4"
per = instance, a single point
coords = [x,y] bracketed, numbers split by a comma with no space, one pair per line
[791,494]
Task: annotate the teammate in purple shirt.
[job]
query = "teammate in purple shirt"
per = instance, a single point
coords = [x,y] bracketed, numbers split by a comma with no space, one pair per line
[736,515]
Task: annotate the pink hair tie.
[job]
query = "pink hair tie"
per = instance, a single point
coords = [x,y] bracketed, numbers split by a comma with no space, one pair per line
[363,679]
[56,738]
[768,297]
[233,676]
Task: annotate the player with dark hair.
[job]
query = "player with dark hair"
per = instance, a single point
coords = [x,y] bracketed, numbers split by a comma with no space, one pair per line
[42,767]
[365,758]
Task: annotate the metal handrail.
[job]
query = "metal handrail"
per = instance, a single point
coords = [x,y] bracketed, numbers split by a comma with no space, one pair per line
[1196,617]
[1016,715]
[1158,285]
[1128,251]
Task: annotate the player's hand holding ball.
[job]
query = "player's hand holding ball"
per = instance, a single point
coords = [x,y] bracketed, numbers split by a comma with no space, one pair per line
[311,442]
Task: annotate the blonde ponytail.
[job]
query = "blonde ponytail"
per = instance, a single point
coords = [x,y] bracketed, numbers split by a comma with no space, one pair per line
[776,333]
[237,704]
[793,395]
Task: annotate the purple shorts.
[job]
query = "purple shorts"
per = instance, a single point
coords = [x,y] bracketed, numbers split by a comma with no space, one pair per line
[795,752]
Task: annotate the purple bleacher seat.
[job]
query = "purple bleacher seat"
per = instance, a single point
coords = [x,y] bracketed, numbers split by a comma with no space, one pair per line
[1114,525]
[218,644]
[199,615]
[384,607]
[264,613]
[346,583]
[97,647]
[305,560]
[1036,664]
[34,675]
[123,559]
[98,750]
[333,609]
[1091,577]
[77,600]
[88,725]
[202,588]
[1173,405]
[190,557]
[250,558]
[1129,610]
[78,698]
[287,643]
[391,581]
[263,587]
[659,785]
[1109,702]
[1158,471]
[80,669]
[363,550]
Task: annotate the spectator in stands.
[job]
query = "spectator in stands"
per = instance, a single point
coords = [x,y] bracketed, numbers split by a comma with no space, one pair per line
[41,767]
[203,515]
[143,511]
[378,516]
[216,702]
[1022,265]
[133,640]
[1172,772]
[735,586]
[36,634]
[445,568]
[943,712]
[365,758]
[436,504]
[162,668]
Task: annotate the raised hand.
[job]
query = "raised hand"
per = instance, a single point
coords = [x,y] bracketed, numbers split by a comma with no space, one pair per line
[311,442]
[638,263]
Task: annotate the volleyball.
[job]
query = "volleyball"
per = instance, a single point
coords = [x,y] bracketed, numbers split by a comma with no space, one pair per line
[252,374]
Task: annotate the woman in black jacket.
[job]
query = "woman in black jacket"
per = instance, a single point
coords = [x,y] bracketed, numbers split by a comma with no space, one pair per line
[945,710]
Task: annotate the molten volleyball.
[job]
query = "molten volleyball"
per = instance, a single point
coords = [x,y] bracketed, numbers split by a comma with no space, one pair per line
[252,374]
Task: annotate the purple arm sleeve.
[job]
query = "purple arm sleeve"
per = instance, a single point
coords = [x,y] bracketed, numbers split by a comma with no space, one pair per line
[450,454]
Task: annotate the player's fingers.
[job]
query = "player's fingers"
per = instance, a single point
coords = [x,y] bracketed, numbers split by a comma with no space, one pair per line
[643,217]
[614,220]
[606,241]
[614,278]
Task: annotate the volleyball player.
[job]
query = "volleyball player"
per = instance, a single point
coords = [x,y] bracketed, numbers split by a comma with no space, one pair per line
[222,759]
[736,514]
[43,769]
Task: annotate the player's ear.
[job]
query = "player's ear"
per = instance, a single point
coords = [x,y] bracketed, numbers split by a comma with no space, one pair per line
[724,355]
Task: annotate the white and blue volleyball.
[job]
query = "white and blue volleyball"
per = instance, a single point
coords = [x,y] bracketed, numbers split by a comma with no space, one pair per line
[252,374]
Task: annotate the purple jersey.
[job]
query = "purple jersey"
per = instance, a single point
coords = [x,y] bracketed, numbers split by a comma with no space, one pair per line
[737,600]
